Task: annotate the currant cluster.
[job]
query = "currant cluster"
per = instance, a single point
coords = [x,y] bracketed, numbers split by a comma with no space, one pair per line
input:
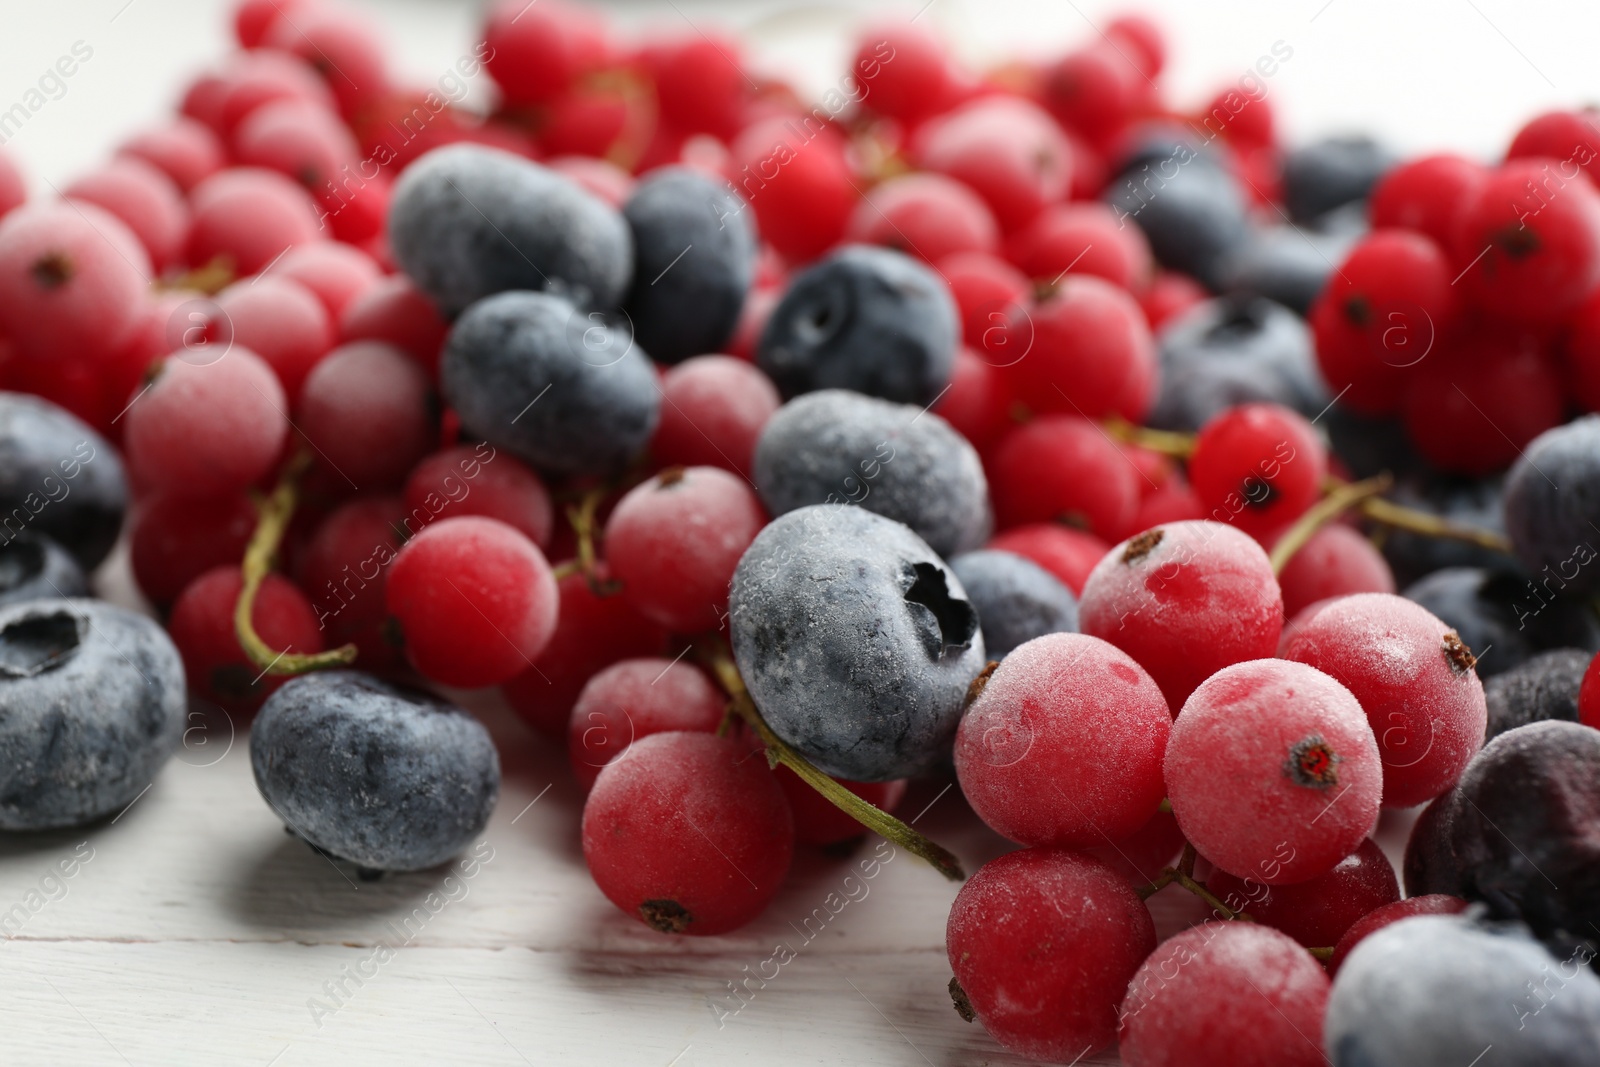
[769,455]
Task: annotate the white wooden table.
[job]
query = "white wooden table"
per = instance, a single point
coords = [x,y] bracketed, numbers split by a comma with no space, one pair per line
[194,931]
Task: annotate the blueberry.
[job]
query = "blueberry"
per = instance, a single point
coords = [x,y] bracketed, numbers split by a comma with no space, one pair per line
[385,776]
[1017,600]
[33,567]
[1500,619]
[1369,445]
[1524,829]
[1544,687]
[857,642]
[467,222]
[694,259]
[903,463]
[58,478]
[863,318]
[1467,501]
[91,705]
[507,352]
[1327,174]
[1234,350]
[1191,210]
[1444,990]
[1285,264]
[1553,508]
[1430,863]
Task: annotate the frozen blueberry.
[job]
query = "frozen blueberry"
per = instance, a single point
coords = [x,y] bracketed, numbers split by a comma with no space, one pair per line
[1369,445]
[385,776]
[1444,990]
[1330,173]
[91,705]
[906,464]
[58,478]
[1553,508]
[1017,600]
[1235,350]
[557,387]
[1525,829]
[1501,617]
[1190,208]
[857,642]
[33,567]
[1544,687]
[1467,501]
[468,221]
[1285,264]
[863,318]
[694,259]
[1430,863]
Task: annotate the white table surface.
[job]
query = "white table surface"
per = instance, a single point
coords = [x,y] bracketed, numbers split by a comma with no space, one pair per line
[200,933]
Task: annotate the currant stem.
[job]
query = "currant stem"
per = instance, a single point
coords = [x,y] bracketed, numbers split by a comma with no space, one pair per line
[868,815]
[1322,953]
[276,511]
[1339,500]
[1183,875]
[1167,442]
[1388,513]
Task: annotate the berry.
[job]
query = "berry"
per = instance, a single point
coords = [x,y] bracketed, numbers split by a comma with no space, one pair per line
[173,539]
[1273,772]
[508,350]
[1191,210]
[633,699]
[1082,238]
[1066,553]
[799,182]
[385,776]
[713,409]
[1327,174]
[246,217]
[1184,600]
[1094,90]
[45,450]
[1005,149]
[1504,615]
[480,481]
[92,706]
[145,200]
[33,567]
[1090,355]
[467,222]
[673,543]
[72,278]
[835,446]
[474,599]
[342,46]
[368,413]
[1428,195]
[986,290]
[1544,687]
[1235,350]
[206,429]
[1393,912]
[1437,990]
[1589,697]
[977,403]
[905,71]
[1016,599]
[856,641]
[1225,995]
[1460,500]
[700,82]
[1565,135]
[864,318]
[395,311]
[1043,943]
[1258,466]
[1316,912]
[1337,561]
[1550,528]
[343,569]
[694,261]
[337,274]
[1285,264]
[254,79]
[253,20]
[1064,708]
[187,151]
[1062,468]
[276,318]
[818,822]
[300,140]
[201,624]
[1168,296]
[928,216]
[688,834]
[534,54]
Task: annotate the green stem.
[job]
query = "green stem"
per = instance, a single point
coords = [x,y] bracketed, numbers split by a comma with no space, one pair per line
[1339,500]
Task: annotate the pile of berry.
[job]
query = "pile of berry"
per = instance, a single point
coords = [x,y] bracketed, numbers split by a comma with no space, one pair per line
[1016,425]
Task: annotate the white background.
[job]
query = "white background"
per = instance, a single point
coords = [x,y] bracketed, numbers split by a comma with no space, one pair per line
[198,932]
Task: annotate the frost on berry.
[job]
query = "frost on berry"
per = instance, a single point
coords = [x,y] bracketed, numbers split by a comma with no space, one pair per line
[1140,546]
[1457,653]
[1312,763]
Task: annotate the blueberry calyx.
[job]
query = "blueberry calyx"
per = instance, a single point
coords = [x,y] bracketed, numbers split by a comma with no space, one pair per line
[37,643]
[954,620]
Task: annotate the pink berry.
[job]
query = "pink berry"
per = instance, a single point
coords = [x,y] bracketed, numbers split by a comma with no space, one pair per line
[247,217]
[1258,466]
[147,201]
[1068,554]
[1273,772]
[1063,746]
[925,215]
[1061,468]
[185,150]
[344,569]
[481,481]
[279,320]
[1378,918]
[633,699]
[712,412]
[1318,911]
[367,411]
[395,311]
[337,273]
[1337,561]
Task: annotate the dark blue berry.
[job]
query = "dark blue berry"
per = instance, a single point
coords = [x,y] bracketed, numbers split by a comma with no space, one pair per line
[1328,174]
[856,641]
[468,221]
[1370,445]
[385,776]
[1447,991]
[694,259]
[1544,687]
[91,706]
[556,386]
[1191,210]
[864,318]
[33,567]
[1472,502]
[58,478]
[906,464]
[1235,350]
[1430,864]
[1500,618]
[1017,600]
[1553,508]
[1285,264]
